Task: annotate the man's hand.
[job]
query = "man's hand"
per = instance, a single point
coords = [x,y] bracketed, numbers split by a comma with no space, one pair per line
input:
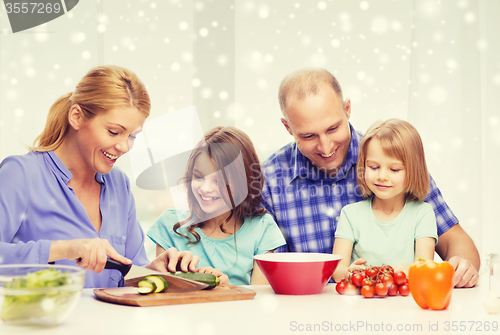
[456,247]
[465,273]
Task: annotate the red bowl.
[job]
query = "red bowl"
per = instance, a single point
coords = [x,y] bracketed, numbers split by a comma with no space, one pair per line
[297,273]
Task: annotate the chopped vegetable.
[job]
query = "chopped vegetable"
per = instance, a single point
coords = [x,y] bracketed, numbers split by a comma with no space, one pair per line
[146,286]
[49,302]
[206,278]
[161,283]
[152,284]
[158,284]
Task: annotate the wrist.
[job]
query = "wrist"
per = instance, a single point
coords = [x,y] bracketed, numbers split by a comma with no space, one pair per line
[58,250]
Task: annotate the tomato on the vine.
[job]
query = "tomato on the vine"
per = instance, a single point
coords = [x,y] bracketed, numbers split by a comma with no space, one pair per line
[387,269]
[367,282]
[374,280]
[367,291]
[357,279]
[386,279]
[393,290]
[404,290]
[350,289]
[372,271]
[399,278]
[381,289]
[340,287]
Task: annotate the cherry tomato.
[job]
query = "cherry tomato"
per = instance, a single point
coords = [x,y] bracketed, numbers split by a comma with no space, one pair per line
[350,289]
[381,289]
[387,269]
[387,279]
[367,282]
[372,271]
[367,291]
[393,290]
[399,278]
[340,287]
[404,290]
[357,279]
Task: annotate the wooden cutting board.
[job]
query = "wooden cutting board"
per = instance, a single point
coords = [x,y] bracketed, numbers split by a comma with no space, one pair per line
[129,296]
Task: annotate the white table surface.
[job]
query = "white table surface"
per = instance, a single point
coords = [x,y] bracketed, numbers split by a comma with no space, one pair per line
[269,313]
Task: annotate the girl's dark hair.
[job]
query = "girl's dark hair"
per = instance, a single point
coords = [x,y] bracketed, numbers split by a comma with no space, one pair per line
[241,188]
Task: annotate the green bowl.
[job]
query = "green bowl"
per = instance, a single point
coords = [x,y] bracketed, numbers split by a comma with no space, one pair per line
[37,294]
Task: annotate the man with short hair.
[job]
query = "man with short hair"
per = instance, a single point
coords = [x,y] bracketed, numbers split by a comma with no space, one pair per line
[308,181]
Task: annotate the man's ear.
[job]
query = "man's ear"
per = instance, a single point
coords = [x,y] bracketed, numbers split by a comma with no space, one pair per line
[347,108]
[286,126]
[75,117]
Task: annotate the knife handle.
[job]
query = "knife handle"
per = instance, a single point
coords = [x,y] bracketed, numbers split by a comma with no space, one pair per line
[115,265]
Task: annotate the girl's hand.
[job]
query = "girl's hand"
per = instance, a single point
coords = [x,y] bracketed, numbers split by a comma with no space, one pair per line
[224,279]
[90,254]
[172,260]
[357,265]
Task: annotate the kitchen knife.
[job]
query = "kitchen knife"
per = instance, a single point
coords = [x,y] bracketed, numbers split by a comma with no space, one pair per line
[132,274]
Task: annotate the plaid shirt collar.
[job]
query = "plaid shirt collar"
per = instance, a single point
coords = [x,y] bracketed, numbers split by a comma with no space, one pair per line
[303,168]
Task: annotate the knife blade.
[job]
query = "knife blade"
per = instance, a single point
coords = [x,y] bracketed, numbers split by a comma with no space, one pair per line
[132,274]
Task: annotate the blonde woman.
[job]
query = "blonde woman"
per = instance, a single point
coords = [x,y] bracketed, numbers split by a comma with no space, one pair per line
[64,202]
[393,225]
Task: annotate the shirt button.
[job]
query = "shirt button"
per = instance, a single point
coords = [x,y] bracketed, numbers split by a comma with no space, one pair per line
[333,184]
[337,218]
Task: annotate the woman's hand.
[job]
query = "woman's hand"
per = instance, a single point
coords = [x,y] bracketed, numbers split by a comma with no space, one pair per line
[224,279]
[171,260]
[90,254]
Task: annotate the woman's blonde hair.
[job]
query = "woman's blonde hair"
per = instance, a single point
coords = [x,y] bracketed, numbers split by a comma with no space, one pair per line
[102,89]
[241,186]
[399,139]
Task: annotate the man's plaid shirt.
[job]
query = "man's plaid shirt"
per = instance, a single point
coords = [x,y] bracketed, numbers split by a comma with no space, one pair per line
[306,202]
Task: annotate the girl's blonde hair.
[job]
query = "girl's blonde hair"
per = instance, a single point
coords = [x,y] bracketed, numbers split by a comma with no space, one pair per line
[102,89]
[242,187]
[399,139]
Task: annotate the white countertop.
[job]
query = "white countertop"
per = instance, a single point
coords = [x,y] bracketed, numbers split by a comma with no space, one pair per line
[269,313]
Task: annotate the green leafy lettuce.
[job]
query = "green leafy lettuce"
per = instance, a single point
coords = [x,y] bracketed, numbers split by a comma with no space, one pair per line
[21,304]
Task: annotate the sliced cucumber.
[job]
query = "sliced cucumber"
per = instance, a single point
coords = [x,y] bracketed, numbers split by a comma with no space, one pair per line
[161,283]
[144,290]
[146,286]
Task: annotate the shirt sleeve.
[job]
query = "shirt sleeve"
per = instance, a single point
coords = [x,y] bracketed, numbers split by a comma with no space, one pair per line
[426,223]
[13,206]
[445,219]
[272,237]
[344,227]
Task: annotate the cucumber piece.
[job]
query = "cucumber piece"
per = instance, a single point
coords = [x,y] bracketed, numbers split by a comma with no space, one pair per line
[144,290]
[146,286]
[206,278]
[161,283]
